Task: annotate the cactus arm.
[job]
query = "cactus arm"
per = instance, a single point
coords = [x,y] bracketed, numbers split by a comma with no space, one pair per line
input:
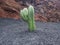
[24,14]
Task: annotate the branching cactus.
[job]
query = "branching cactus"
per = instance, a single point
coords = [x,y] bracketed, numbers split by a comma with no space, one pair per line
[28,16]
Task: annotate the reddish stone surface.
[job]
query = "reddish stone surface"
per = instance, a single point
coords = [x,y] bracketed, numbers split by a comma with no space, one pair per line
[9,9]
[39,17]
[45,10]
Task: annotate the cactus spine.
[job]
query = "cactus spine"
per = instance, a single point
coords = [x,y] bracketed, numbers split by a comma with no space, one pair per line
[28,16]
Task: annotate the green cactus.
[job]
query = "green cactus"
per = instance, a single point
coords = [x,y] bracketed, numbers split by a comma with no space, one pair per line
[28,16]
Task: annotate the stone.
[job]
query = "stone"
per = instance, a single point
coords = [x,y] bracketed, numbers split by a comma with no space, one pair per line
[45,10]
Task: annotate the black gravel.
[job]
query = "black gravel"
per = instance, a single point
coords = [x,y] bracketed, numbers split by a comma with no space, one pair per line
[15,32]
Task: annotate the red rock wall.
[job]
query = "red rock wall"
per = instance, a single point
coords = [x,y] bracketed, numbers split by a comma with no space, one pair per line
[45,10]
[9,9]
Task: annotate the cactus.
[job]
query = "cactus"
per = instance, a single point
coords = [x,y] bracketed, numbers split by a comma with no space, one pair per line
[28,16]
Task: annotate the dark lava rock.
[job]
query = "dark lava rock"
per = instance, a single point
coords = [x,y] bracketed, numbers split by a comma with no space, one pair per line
[15,32]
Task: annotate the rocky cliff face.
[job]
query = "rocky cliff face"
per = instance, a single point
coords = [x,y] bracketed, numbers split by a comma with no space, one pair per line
[45,10]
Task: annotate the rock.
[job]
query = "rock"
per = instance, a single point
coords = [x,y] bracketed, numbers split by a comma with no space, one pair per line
[9,9]
[41,18]
[45,10]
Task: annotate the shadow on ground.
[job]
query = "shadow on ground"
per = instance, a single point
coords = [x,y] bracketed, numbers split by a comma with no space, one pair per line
[15,32]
